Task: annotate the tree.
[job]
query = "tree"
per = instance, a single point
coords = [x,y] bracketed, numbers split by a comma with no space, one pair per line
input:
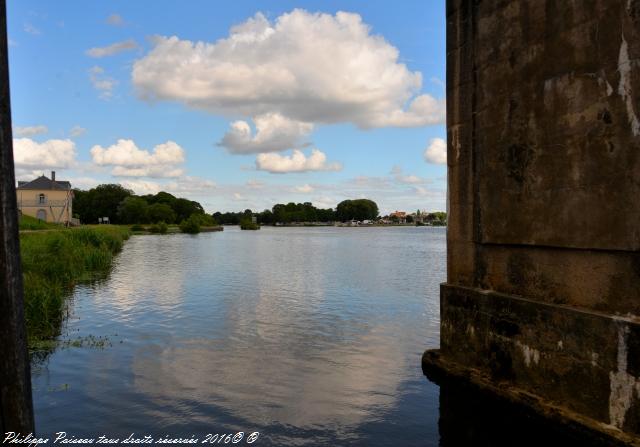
[437,218]
[101,201]
[359,209]
[185,208]
[161,212]
[266,217]
[163,197]
[133,210]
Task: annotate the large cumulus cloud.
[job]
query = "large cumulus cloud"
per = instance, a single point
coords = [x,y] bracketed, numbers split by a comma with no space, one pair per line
[309,68]
[128,160]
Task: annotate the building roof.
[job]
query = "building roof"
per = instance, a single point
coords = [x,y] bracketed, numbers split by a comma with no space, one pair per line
[43,182]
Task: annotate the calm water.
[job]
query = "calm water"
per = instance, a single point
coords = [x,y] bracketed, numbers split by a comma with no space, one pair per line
[309,336]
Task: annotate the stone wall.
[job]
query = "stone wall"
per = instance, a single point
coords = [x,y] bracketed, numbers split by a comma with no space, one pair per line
[543,122]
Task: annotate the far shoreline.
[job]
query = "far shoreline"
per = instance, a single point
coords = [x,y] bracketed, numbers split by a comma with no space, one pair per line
[307,225]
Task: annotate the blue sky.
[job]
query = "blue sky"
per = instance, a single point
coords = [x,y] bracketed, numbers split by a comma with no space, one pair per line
[236,107]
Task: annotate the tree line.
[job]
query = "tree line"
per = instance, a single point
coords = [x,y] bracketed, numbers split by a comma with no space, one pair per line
[360,209]
[122,206]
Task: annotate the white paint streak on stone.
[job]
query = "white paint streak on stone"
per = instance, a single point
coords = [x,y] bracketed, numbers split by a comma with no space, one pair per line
[471,331]
[530,354]
[594,359]
[455,142]
[603,81]
[624,87]
[560,345]
[622,383]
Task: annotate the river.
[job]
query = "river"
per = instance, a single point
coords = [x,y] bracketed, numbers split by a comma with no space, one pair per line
[307,336]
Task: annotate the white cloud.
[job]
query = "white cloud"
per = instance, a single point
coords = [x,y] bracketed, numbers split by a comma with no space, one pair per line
[436,152]
[142,187]
[400,177]
[185,185]
[31,155]
[130,161]
[77,131]
[114,20]
[112,49]
[305,189]
[85,182]
[190,185]
[239,197]
[439,82]
[324,202]
[147,171]
[310,68]
[296,162]
[30,131]
[424,192]
[254,184]
[366,182]
[101,82]
[29,28]
[274,133]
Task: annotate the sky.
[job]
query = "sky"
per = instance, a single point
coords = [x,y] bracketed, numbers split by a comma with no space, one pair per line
[238,107]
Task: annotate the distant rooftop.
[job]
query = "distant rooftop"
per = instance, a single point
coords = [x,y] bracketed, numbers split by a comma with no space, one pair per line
[44,182]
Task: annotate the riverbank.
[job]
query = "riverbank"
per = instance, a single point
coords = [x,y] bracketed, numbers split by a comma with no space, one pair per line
[53,261]
[347,224]
[171,229]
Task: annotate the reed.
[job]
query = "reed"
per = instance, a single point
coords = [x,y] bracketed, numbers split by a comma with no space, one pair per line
[53,262]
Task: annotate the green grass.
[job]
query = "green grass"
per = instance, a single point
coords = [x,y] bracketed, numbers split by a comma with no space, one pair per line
[31,223]
[53,262]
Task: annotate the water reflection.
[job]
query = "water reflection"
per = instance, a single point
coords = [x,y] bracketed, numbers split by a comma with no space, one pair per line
[328,388]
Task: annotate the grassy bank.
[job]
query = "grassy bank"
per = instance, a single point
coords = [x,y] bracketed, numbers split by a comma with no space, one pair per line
[31,223]
[53,261]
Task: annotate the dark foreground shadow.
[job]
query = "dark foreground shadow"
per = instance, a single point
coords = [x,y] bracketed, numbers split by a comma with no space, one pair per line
[470,416]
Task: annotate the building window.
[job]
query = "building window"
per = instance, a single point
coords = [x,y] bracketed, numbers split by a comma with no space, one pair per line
[41,198]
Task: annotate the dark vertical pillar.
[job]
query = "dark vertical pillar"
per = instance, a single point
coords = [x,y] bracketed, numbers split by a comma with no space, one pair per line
[543,250]
[16,408]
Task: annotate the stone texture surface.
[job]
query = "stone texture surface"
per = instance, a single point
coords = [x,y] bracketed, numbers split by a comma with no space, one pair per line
[586,361]
[543,125]
[473,415]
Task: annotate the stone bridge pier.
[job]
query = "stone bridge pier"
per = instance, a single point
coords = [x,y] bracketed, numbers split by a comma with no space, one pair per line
[542,299]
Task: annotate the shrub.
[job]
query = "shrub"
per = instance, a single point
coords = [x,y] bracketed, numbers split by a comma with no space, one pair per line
[248,224]
[137,227]
[191,225]
[162,228]
[205,220]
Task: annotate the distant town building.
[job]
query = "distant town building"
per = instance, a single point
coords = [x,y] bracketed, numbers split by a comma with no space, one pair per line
[46,199]
[400,216]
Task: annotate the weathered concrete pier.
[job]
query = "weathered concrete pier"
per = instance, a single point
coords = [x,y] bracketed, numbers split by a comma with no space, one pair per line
[542,299]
